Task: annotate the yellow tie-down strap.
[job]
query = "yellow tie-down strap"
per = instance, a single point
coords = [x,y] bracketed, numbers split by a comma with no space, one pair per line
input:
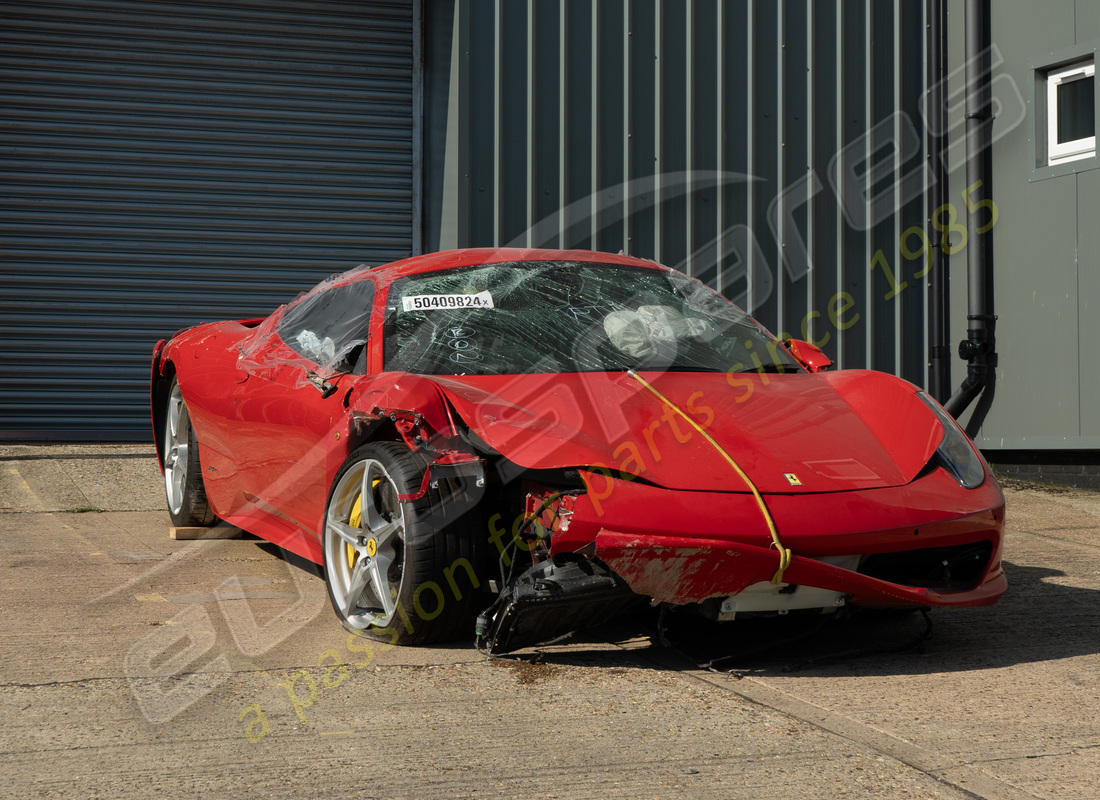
[784,553]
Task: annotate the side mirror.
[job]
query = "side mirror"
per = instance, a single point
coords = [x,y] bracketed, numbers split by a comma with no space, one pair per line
[808,355]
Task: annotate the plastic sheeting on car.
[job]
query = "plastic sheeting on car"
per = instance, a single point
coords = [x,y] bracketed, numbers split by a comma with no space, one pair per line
[320,331]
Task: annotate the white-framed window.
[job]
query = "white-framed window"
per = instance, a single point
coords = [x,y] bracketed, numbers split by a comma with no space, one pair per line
[1071,112]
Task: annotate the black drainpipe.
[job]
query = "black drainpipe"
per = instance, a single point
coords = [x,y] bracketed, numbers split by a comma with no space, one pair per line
[979,348]
[939,337]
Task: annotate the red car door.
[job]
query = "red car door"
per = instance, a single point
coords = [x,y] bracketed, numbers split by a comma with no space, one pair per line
[289,410]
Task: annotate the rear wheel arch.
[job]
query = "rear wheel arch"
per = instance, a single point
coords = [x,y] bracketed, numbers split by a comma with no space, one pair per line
[179,455]
[163,373]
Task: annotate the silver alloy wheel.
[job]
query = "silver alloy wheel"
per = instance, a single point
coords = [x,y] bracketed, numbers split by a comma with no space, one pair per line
[177,430]
[363,545]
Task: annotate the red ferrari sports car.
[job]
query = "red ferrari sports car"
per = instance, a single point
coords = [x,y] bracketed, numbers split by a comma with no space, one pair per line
[518,443]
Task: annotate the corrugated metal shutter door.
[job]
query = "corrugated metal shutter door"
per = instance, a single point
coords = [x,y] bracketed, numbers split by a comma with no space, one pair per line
[167,163]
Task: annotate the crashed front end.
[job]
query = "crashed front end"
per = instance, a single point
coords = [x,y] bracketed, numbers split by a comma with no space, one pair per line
[646,440]
[598,550]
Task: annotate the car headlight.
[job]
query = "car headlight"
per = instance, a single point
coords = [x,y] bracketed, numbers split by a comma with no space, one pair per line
[956,454]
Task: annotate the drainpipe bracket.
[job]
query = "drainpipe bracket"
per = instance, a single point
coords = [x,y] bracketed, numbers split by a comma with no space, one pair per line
[971,348]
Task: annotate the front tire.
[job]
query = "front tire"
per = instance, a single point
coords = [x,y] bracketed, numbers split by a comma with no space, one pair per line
[187,503]
[399,570]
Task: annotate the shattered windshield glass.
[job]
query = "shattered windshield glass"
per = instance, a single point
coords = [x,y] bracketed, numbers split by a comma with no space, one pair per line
[558,316]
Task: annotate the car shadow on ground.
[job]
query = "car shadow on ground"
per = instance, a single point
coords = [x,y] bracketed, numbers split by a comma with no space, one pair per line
[1040,619]
[295,560]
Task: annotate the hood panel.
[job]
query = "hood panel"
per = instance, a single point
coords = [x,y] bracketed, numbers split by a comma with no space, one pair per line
[833,431]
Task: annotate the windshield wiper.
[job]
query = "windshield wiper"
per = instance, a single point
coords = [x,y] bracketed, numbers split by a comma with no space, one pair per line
[688,368]
[772,368]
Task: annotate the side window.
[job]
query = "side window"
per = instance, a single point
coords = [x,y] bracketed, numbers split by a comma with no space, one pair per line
[1064,89]
[1071,113]
[330,326]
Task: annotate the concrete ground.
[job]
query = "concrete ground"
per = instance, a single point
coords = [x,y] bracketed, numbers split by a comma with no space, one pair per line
[138,666]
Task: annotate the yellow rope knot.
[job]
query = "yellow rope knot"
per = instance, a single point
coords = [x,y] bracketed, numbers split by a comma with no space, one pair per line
[784,560]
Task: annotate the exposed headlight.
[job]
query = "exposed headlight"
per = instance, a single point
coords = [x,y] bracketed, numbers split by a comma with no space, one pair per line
[956,454]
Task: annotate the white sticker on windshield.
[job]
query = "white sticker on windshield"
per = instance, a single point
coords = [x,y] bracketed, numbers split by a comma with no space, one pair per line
[437,302]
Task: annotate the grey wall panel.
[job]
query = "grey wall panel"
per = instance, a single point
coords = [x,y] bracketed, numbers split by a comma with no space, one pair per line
[166,163]
[643,158]
[672,123]
[854,102]
[1045,262]
[611,133]
[1036,240]
[513,104]
[735,239]
[795,119]
[700,134]
[1086,15]
[702,117]
[546,134]
[761,38]
[881,302]
[479,132]
[1088,298]
[910,251]
[580,68]
[439,81]
[823,216]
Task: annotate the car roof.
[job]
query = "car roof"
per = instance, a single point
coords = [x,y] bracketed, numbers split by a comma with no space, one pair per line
[476,256]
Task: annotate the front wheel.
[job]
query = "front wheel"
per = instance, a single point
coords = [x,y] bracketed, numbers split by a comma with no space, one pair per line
[400,570]
[187,503]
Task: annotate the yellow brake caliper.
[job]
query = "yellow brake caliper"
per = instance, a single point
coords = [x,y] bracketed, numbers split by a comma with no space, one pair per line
[356,521]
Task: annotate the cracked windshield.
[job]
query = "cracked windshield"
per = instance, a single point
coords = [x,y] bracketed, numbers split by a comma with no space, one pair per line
[557,316]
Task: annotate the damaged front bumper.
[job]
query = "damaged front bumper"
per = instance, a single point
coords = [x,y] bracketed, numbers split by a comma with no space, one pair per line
[681,571]
[928,543]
